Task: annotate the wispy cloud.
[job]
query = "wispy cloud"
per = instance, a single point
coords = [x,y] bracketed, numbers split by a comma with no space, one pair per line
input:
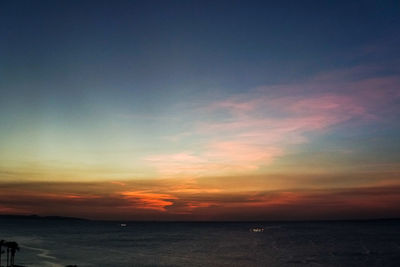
[247,131]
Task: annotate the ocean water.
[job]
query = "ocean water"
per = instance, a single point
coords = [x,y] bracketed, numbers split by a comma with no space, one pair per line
[59,242]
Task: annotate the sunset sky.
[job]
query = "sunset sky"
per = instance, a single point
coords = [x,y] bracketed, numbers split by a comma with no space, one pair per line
[200,110]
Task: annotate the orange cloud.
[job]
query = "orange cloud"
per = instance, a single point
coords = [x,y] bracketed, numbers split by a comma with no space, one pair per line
[118,183]
[146,200]
[217,198]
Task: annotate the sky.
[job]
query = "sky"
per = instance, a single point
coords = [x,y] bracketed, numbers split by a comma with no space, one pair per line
[200,110]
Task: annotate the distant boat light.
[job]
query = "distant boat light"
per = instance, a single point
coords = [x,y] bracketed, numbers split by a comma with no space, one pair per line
[257,229]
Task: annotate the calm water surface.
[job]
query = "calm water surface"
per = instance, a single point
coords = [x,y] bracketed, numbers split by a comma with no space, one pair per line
[55,243]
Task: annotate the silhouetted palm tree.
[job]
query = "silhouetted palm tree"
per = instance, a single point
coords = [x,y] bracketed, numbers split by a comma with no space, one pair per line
[12,248]
[8,253]
[1,249]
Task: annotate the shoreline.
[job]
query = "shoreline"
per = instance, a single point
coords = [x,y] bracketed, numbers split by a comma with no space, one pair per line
[45,255]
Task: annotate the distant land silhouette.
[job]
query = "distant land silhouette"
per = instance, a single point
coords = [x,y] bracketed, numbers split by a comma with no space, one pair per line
[38,217]
[34,217]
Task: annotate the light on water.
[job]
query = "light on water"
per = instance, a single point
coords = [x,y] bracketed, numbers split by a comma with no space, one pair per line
[89,243]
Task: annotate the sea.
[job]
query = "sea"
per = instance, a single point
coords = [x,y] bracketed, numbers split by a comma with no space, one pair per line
[60,242]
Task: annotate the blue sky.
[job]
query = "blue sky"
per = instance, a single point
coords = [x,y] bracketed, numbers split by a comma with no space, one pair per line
[126,91]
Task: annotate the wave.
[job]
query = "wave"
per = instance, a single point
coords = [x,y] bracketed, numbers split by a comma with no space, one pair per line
[45,254]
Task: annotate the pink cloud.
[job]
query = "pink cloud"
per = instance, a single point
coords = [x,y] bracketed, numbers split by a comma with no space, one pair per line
[236,154]
[247,131]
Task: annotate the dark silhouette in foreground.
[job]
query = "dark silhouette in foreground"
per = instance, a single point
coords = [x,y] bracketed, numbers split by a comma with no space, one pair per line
[1,249]
[12,248]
